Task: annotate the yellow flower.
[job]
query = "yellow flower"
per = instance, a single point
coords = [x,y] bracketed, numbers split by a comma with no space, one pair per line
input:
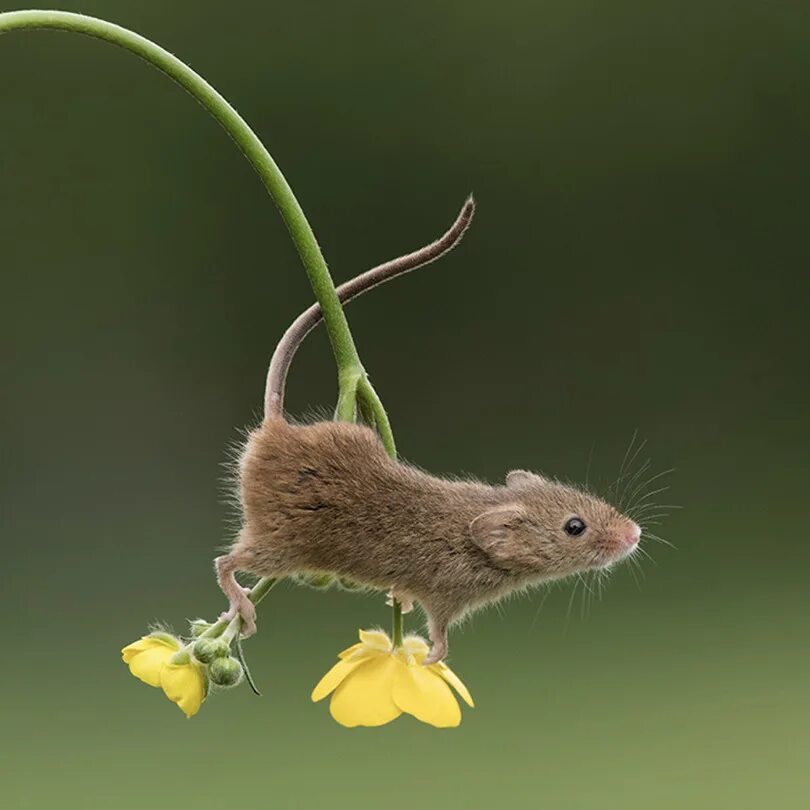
[154,659]
[185,684]
[373,683]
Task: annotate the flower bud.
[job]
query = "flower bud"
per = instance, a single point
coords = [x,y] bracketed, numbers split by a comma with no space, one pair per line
[198,627]
[225,671]
[207,650]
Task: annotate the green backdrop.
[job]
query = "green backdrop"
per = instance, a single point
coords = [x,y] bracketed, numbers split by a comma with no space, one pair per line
[638,263]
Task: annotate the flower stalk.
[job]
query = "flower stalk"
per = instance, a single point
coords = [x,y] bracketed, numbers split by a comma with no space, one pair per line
[355,391]
[350,369]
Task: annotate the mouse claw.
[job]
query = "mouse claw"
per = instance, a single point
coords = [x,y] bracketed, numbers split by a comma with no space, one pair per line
[438,646]
[433,657]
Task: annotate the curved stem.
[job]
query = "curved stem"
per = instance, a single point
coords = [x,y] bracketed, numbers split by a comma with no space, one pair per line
[351,375]
[372,400]
[254,150]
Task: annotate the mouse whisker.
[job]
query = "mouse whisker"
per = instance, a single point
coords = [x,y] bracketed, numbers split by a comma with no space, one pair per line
[657,539]
[646,514]
[587,597]
[627,464]
[546,592]
[571,599]
[645,553]
[647,511]
[626,477]
[637,499]
[639,510]
[627,452]
[599,582]
[631,482]
[635,567]
[588,469]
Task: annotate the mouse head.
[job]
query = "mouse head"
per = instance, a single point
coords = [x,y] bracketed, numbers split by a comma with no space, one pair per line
[547,528]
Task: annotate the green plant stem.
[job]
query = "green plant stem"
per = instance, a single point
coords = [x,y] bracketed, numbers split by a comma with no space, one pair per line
[345,351]
[352,378]
[374,404]
[396,623]
[371,402]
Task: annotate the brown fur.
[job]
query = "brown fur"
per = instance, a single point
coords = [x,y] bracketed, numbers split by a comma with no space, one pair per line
[327,497]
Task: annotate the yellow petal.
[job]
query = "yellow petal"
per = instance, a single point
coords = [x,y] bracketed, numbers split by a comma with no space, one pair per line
[442,669]
[145,643]
[421,692]
[364,696]
[336,676]
[147,664]
[184,684]
[349,650]
[131,650]
[375,640]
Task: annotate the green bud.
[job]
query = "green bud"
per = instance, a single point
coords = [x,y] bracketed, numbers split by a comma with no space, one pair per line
[199,626]
[318,581]
[225,671]
[207,650]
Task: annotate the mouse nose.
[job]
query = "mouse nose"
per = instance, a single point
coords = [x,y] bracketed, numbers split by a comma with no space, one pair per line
[634,535]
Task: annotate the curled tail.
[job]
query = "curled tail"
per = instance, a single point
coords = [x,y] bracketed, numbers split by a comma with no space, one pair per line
[310,318]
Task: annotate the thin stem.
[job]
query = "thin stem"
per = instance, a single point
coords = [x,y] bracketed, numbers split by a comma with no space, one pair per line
[396,623]
[346,409]
[254,150]
[374,403]
[351,375]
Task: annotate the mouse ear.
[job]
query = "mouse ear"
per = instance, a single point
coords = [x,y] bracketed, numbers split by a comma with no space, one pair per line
[518,478]
[495,533]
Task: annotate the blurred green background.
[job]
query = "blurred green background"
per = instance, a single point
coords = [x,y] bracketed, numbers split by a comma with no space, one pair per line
[638,262]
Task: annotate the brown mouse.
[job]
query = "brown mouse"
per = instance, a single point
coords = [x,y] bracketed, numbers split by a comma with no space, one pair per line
[326,497]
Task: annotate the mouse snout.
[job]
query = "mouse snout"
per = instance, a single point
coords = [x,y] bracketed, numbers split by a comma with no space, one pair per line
[619,541]
[633,535]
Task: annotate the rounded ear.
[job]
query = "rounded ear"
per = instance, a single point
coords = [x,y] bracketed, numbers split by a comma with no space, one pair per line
[518,478]
[495,533]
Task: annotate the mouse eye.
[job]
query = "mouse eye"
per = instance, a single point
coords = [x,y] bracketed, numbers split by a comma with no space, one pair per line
[574,527]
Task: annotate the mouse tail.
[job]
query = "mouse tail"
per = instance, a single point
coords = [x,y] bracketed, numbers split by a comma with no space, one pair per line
[310,318]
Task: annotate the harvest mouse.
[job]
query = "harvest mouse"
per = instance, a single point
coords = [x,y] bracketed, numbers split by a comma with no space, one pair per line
[326,497]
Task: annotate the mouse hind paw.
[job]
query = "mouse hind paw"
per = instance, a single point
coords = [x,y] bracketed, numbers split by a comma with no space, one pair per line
[246,610]
[437,630]
[436,654]
[238,602]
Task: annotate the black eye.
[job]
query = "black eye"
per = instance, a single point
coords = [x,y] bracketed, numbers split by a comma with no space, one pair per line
[574,527]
